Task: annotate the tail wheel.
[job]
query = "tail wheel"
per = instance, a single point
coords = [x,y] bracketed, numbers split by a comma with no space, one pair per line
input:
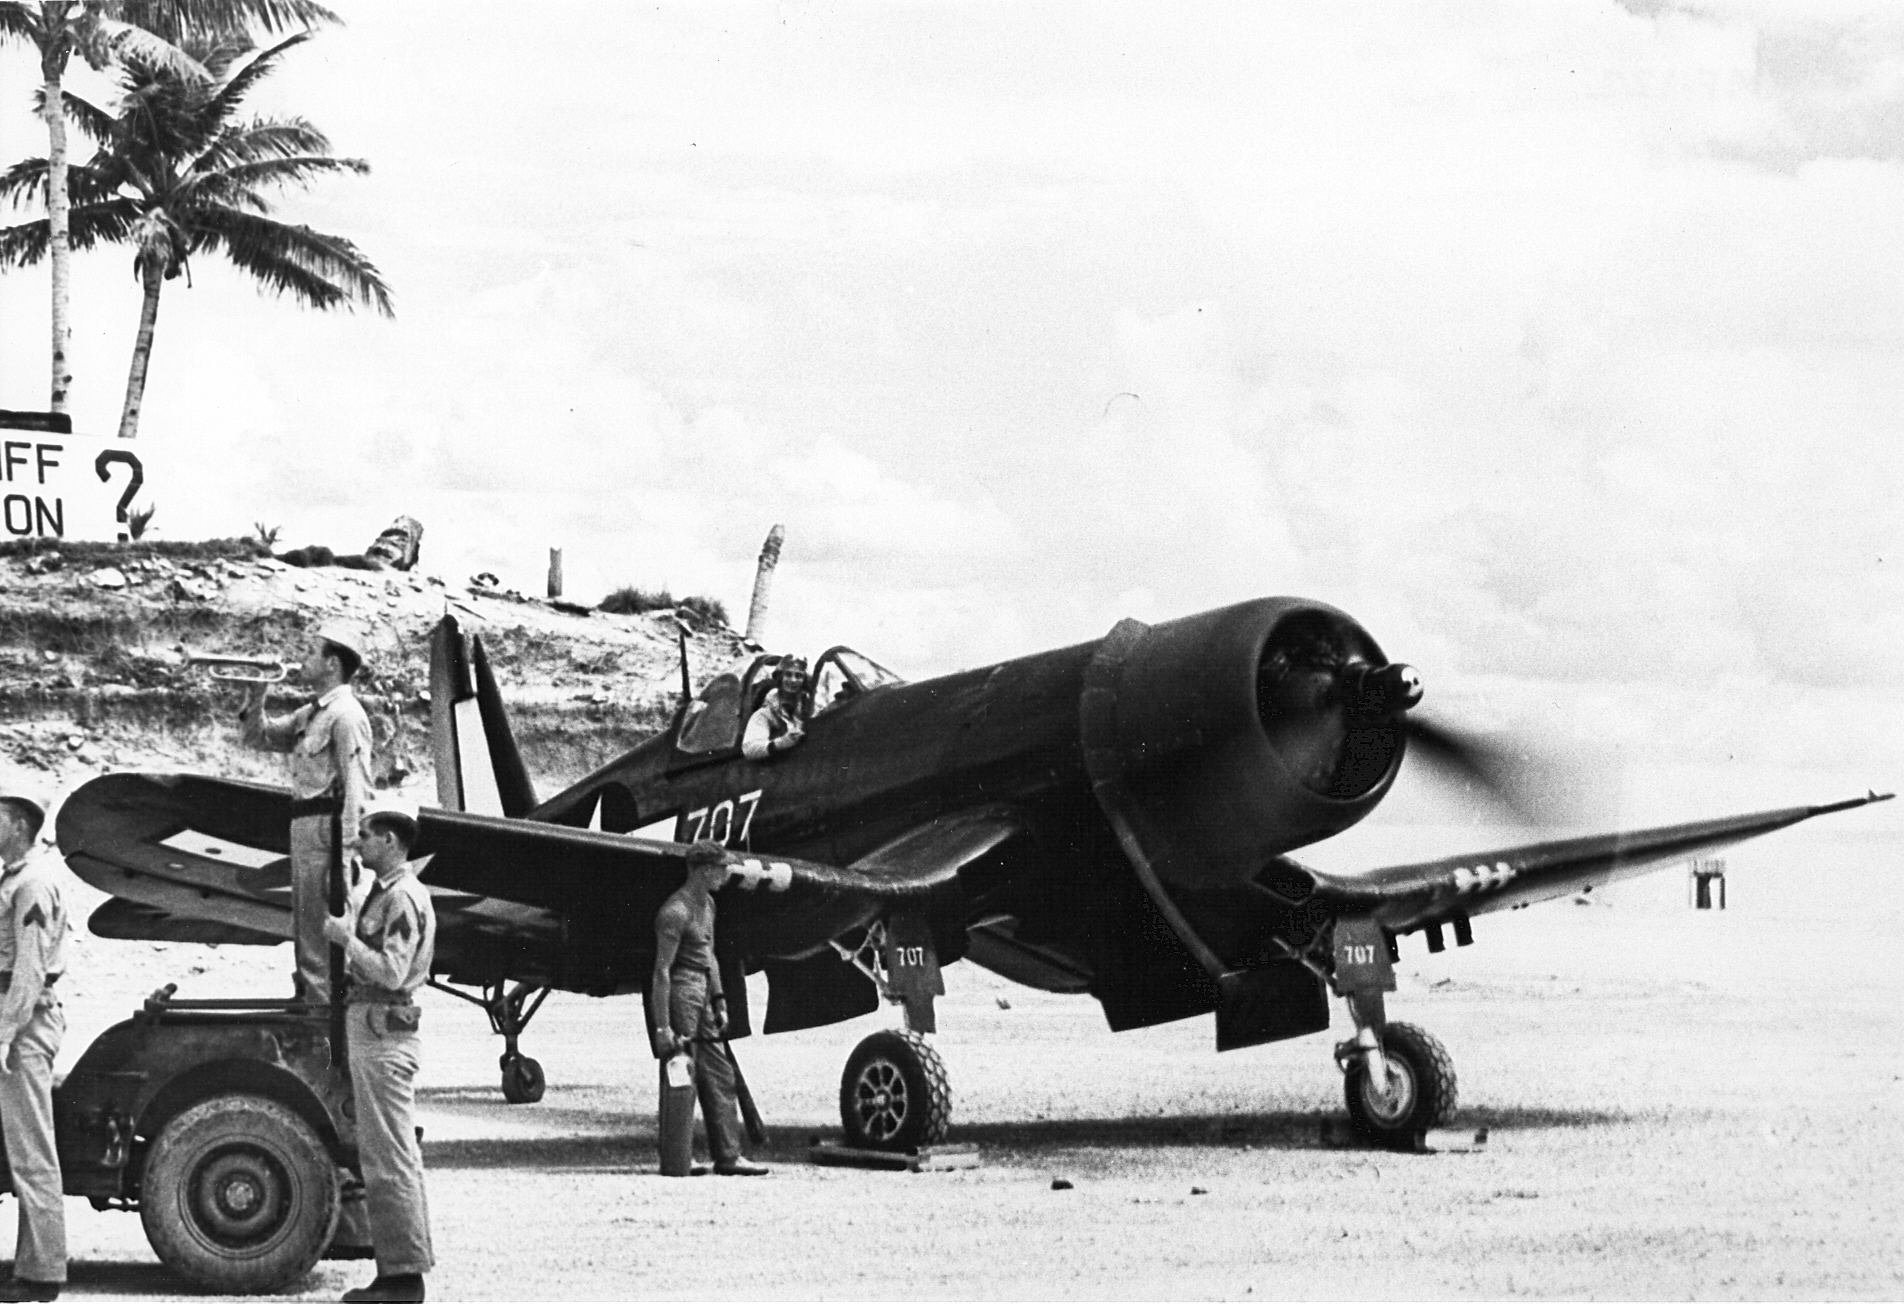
[1419,1093]
[894,1094]
[522,1081]
[239,1195]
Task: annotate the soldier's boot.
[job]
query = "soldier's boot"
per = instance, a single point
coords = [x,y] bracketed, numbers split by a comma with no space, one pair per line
[402,1286]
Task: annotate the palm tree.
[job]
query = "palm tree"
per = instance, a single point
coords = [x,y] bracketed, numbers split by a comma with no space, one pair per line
[177,174]
[97,30]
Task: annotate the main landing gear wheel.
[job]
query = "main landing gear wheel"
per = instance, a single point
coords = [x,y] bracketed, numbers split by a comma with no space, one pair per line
[1419,1093]
[894,1094]
[239,1195]
[522,1082]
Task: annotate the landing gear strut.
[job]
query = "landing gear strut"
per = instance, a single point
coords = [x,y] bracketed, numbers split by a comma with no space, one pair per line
[509,1010]
[1398,1079]
[894,1094]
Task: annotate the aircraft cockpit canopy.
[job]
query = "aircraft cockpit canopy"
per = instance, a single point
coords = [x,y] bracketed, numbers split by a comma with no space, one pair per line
[715,718]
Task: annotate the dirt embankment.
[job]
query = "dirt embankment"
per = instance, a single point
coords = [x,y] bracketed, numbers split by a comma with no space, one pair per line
[94,640]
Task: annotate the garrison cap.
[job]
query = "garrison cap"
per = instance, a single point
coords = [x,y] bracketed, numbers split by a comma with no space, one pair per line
[34,812]
[345,634]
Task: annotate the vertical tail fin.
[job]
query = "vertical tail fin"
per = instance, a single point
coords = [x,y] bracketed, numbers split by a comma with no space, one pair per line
[477,765]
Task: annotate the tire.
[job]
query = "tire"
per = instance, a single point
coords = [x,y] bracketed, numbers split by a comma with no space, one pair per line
[894,1094]
[522,1080]
[239,1195]
[1422,1088]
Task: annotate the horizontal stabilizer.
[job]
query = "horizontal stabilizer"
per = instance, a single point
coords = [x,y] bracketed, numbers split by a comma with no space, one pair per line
[131,921]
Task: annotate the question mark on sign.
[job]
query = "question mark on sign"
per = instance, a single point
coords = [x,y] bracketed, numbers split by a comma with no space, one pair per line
[105,460]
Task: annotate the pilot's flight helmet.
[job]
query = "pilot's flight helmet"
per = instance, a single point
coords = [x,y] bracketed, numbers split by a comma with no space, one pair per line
[790,665]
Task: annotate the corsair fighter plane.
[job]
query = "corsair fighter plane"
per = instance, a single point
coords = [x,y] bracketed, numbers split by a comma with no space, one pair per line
[1113,819]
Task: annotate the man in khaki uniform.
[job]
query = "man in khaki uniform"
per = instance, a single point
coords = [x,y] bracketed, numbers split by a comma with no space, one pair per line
[389,938]
[33,929]
[329,741]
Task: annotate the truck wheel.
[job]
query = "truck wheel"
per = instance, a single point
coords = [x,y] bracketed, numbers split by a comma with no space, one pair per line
[894,1094]
[1419,1094]
[239,1195]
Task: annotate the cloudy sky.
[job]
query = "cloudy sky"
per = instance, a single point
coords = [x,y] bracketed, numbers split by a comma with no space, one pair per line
[1558,341]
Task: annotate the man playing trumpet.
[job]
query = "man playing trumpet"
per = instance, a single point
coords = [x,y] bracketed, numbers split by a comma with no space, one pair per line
[329,741]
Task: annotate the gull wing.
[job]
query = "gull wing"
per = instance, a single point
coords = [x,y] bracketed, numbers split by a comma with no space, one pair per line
[1404,897]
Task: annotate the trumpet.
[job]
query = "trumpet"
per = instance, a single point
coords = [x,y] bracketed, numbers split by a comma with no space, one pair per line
[243,670]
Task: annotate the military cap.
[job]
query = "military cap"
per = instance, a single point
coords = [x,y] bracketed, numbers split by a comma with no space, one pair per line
[34,812]
[345,634]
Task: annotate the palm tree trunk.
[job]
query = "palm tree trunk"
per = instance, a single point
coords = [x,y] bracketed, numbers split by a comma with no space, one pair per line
[53,58]
[154,280]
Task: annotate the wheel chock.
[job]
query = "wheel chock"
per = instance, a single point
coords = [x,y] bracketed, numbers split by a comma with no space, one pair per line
[1452,1140]
[1341,1134]
[926,1159]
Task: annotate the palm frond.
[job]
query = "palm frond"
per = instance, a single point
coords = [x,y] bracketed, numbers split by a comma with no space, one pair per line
[24,243]
[283,172]
[93,122]
[24,182]
[241,83]
[323,270]
[126,44]
[262,139]
[19,23]
[178,20]
[110,222]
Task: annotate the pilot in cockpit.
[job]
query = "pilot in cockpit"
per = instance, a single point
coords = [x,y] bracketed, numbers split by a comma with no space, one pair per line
[780,723]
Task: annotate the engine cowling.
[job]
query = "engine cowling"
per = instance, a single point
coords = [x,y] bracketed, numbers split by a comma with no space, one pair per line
[1226,738]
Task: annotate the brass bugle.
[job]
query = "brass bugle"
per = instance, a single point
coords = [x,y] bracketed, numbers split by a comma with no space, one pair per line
[243,670]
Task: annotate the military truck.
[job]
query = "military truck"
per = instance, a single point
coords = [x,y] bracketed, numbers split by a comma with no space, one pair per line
[225,1125]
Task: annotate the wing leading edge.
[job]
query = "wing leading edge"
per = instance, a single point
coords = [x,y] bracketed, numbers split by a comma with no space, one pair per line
[1404,897]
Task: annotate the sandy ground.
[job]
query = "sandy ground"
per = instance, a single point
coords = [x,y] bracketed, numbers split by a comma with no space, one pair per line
[1682,1104]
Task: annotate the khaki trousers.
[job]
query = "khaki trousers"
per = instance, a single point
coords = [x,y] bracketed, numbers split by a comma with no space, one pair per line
[690,1014]
[310,903]
[383,1069]
[26,1111]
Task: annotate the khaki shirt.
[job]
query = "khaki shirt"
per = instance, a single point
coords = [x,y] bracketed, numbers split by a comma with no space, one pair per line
[330,742]
[396,936]
[33,932]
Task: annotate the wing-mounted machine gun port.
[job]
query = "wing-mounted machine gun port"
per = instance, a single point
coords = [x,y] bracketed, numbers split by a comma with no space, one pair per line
[509,1010]
[894,1094]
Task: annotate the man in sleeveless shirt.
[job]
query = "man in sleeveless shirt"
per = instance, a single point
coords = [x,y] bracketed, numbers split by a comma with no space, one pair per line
[33,929]
[689,1008]
[389,940]
[329,741]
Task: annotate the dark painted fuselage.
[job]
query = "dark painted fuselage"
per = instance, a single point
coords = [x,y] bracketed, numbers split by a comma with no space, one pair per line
[1231,755]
